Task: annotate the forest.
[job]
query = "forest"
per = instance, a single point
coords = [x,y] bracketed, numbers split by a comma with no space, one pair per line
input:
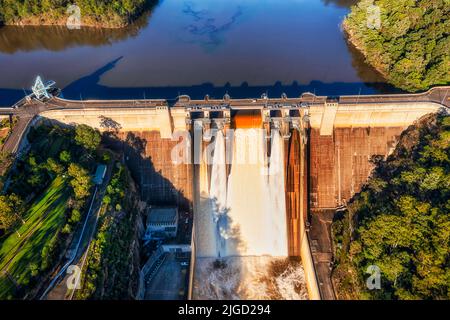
[44,202]
[103,13]
[400,223]
[112,264]
[409,44]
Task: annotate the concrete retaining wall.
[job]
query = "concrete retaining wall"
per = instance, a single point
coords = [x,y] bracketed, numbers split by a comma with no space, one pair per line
[343,140]
[329,116]
[126,119]
[308,267]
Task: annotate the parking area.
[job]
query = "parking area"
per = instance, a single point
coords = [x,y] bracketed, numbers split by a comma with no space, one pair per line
[170,282]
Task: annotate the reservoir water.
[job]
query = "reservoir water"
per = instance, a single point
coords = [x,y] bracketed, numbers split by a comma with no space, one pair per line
[194,47]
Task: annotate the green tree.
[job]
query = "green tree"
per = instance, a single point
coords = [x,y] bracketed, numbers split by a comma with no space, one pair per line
[54,166]
[109,265]
[107,200]
[65,157]
[81,181]
[67,229]
[34,269]
[87,137]
[75,217]
[106,157]
[11,211]
[48,252]
[99,12]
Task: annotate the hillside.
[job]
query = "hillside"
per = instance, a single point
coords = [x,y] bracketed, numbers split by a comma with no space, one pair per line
[100,13]
[410,47]
[48,194]
[400,222]
[113,261]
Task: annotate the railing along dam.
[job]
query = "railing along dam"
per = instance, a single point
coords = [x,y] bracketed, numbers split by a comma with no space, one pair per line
[312,154]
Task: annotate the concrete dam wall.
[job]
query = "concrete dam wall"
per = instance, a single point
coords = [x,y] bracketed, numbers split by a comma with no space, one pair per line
[145,136]
[241,222]
[326,149]
[343,140]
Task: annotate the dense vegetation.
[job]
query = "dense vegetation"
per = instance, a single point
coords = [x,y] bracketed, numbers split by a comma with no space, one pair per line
[112,267]
[411,49]
[98,13]
[5,128]
[43,203]
[400,222]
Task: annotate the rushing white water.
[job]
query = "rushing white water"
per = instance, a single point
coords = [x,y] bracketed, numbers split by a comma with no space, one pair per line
[218,193]
[211,212]
[249,277]
[205,226]
[241,230]
[277,197]
[256,197]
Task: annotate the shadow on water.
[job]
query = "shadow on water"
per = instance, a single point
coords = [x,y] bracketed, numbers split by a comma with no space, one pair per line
[10,96]
[227,234]
[204,27]
[58,38]
[89,88]
[369,74]
[341,3]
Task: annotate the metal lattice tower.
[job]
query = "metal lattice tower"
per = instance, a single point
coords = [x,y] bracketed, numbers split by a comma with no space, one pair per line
[41,90]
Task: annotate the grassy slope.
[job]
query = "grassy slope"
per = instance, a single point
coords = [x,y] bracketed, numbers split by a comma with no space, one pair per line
[44,218]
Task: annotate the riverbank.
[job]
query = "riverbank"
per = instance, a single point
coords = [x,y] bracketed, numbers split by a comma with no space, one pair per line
[407,45]
[87,22]
[168,28]
[103,15]
[358,44]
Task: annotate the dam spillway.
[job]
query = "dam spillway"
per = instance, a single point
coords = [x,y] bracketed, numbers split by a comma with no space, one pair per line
[241,236]
[255,196]
[246,209]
